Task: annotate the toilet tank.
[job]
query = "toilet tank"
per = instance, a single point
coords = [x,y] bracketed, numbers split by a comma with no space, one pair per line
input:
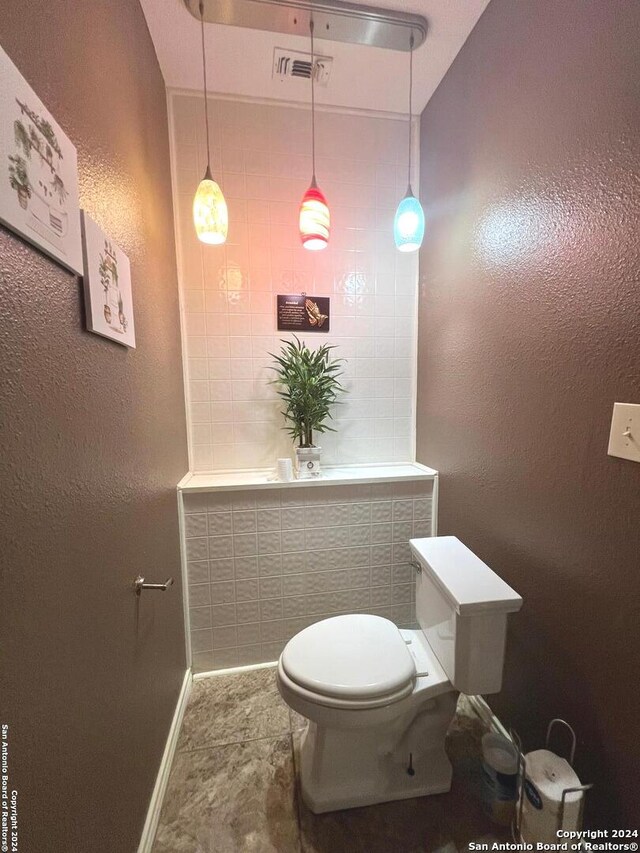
[462,607]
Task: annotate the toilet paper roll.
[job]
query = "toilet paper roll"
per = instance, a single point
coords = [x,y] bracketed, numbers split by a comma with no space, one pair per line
[547,776]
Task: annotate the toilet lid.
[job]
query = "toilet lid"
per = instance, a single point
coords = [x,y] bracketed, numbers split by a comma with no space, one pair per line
[356,656]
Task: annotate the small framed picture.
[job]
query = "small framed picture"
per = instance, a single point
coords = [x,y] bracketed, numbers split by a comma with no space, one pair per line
[38,172]
[107,286]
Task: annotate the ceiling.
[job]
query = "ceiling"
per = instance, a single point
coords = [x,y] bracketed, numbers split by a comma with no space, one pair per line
[239,61]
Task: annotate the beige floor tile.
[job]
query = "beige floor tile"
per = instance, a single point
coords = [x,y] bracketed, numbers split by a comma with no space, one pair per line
[233,785]
[231,708]
[231,799]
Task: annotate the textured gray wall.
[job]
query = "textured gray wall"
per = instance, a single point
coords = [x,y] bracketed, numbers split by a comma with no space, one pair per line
[529,331]
[93,443]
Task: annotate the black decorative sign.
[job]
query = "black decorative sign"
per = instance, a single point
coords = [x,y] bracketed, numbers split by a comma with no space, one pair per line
[302,313]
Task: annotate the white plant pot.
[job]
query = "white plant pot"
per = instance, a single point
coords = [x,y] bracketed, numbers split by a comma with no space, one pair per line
[307,462]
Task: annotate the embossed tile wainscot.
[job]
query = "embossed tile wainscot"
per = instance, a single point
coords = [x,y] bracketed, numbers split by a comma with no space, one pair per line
[263,563]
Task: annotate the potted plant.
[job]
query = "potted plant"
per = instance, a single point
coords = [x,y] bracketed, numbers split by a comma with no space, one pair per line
[22,138]
[19,179]
[309,384]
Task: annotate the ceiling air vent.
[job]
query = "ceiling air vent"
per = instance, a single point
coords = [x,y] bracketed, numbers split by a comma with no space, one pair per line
[292,63]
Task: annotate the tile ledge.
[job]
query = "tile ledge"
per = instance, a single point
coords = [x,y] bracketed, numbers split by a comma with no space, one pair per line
[331,475]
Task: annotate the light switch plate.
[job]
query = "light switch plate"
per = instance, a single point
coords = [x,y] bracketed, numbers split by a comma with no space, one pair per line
[624,439]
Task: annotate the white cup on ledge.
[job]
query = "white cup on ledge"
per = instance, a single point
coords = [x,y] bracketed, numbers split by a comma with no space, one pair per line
[284,470]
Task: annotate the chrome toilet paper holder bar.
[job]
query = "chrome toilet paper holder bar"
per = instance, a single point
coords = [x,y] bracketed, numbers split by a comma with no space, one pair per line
[139,584]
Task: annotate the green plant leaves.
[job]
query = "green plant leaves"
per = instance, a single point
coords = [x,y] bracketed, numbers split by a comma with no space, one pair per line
[309,386]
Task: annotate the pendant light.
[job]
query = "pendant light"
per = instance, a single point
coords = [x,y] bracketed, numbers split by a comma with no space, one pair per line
[210,214]
[314,211]
[408,225]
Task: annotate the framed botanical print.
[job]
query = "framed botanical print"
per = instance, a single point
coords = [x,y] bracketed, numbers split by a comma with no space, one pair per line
[38,172]
[107,286]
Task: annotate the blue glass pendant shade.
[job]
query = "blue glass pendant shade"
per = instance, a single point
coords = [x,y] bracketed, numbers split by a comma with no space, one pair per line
[408,225]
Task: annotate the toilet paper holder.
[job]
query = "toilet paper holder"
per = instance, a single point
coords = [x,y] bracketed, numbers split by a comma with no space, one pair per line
[140,583]
[522,776]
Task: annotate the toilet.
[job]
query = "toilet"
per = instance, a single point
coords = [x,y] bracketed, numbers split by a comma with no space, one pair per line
[379,700]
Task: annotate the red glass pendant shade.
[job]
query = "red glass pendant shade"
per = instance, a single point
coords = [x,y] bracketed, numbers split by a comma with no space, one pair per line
[314,219]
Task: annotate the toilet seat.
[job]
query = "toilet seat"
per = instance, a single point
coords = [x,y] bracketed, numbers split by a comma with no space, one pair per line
[317,699]
[355,661]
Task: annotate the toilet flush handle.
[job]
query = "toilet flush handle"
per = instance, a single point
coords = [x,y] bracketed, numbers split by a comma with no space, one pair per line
[139,584]
[416,565]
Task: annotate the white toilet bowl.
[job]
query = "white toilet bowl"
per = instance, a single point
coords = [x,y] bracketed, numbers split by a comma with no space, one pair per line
[379,700]
[382,737]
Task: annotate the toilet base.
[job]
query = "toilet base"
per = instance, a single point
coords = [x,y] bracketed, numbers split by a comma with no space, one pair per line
[347,768]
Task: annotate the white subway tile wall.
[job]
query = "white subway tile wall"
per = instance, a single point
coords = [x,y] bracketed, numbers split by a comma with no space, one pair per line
[261,158]
[295,556]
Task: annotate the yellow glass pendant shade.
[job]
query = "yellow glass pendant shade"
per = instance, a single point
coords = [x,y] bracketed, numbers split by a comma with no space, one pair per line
[210,214]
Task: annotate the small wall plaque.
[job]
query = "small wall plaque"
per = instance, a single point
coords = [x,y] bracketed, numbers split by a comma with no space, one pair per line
[302,313]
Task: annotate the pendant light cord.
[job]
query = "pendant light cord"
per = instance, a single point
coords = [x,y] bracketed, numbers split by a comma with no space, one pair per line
[204,75]
[410,107]
[313,106]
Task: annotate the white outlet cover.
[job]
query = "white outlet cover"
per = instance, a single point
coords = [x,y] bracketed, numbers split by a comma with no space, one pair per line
[624,439]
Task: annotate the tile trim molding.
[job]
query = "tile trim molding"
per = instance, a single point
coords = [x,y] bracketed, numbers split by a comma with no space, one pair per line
[180,92]
[185,582]
[162,779]
[233,670]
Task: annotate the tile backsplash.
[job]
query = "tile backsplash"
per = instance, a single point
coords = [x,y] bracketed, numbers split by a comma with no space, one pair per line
[261,157]
[263,564]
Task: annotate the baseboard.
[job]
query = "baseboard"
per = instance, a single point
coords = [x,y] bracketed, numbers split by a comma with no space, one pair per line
[482,709]
[155,804]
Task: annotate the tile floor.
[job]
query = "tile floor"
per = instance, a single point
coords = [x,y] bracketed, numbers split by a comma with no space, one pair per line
[233,784]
